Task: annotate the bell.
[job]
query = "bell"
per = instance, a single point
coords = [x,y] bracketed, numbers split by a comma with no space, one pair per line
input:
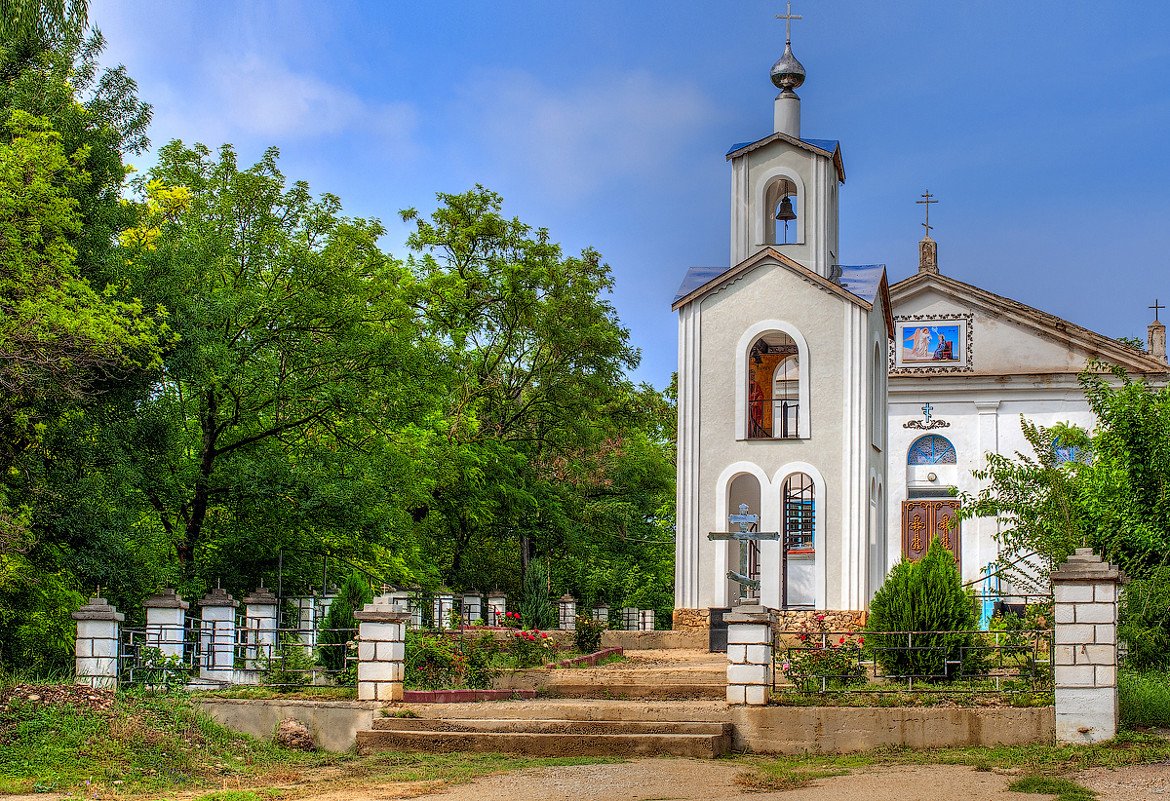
[786,213]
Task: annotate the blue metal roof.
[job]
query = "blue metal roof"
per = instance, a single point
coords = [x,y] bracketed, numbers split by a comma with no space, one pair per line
[861,280]
[828,145]
[697,277]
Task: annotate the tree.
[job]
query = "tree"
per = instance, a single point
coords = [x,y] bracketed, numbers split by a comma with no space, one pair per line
[293,379]
[1109,490]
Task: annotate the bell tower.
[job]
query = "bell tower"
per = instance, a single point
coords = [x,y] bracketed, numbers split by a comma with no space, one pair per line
[784,187]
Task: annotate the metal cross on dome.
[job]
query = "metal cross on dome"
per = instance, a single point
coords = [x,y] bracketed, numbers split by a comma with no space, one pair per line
[926,201]
[788,16]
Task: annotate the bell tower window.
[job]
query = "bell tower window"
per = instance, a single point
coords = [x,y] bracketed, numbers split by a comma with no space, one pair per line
[782,204]
[773,395]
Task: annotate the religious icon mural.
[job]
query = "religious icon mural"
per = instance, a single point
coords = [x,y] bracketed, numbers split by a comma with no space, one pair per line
[932,343]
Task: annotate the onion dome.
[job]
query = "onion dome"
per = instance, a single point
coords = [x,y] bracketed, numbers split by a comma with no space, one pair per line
[787,72]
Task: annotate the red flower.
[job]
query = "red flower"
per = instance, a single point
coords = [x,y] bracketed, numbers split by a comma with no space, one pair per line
[861,640]
[842,640]
[544,635]
[820,617]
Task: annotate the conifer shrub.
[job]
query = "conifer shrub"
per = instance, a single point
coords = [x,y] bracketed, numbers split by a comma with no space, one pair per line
[339,625]
[537,609]
[924,596]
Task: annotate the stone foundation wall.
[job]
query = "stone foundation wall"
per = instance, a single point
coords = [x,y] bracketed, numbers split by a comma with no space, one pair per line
[834,620]
[691,619]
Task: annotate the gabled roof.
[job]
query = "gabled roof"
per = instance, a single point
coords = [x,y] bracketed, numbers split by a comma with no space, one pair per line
[1047,324]
[829,148]
[862,284]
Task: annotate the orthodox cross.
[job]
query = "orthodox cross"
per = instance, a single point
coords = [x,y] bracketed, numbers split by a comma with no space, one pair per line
[926,201]
[927,422]
[926,410]
[788,16]
[1156,307]
[745,535]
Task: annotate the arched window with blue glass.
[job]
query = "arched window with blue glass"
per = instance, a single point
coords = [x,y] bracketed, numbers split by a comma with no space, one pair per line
[931,449]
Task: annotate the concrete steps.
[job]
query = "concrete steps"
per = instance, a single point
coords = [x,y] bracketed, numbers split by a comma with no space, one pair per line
[547,737]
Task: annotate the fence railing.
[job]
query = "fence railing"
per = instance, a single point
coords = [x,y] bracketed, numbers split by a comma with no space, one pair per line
[998,661]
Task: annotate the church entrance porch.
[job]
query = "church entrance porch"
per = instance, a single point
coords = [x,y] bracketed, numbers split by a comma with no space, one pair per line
[924,520]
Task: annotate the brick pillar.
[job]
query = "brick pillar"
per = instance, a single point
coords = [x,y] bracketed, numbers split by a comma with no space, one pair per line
[166,623]
[261,620]
[567,613]
[381,651]
[1085,654]
[601,615]
[497,604]
[646,620]
[749,655]
[217,636]
[472,607]
[441,609]
[98,640]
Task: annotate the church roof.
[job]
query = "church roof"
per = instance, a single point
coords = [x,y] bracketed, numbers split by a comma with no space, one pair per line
[1050,325]
[829,148]
[862,284]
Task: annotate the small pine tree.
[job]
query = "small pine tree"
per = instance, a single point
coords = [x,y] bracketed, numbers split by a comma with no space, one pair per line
[339,626]
[536,605]
[923,596]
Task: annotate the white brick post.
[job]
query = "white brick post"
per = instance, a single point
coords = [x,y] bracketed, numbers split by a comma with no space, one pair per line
[497,604]
[441,609]
[217,636]
[749,655]
[646,620]
[567,613]
[381,651]
[472,607]
[261,620]
[404,600]
[1085,649]
[98,641]
[166,623]
[601,615]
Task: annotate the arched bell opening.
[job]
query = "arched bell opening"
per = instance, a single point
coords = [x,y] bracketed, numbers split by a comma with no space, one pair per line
[784,225]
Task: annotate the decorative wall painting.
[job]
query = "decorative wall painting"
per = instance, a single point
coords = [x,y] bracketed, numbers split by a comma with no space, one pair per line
[932,343]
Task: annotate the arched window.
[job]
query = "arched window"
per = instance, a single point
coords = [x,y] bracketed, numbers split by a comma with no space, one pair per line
[799,513]
[877,397]
[773,392]
[931,449]
[781,204]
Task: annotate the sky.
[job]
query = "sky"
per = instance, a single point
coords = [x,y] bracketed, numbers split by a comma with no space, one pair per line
[1041,127]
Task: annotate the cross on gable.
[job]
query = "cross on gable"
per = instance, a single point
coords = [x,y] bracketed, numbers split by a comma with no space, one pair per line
[788,16]
[1156,307]
[926,201]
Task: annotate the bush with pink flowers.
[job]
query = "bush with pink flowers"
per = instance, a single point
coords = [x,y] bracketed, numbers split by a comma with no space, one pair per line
[823,660]
[531,647]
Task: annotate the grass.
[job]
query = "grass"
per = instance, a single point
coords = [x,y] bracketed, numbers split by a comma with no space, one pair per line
[152,745]
[307,693]
[907,698]
[1144,698]
[1037,761]
[1063,789]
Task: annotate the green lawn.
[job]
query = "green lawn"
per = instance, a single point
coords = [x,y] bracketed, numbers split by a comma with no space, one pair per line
[1144,698]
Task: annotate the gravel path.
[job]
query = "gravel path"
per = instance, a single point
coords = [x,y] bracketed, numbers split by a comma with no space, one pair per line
[701,780]
[1138,783]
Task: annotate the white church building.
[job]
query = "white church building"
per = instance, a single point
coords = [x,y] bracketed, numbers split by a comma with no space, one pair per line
[825,418]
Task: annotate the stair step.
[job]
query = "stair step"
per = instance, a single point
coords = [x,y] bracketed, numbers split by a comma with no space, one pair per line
[545,726]
[593,709]
[546,744]
[658,691]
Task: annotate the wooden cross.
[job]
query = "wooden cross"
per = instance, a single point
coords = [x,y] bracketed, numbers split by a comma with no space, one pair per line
[788,16]
[745,534]
[1156,307]
[926,201]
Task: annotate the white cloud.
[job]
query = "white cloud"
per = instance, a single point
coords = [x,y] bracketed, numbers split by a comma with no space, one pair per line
[575,140]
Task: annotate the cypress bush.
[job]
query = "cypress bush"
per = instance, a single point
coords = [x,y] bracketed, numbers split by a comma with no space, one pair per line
[339,626]
[537,610]
[924,596]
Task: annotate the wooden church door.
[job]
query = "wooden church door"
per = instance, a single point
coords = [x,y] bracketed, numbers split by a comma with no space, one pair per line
[924,519]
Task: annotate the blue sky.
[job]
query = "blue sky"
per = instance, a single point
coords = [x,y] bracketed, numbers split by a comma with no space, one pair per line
[1040,126]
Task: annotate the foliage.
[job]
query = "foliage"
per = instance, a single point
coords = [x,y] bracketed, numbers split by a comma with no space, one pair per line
[290,668]
[1145,620]
[1144,698]
[439,662]
[531,648]
[537,609]
[824,660]
[339,626]
[1063,789]
[1112,496]
[923,596]
[36,630]
[587,634]
[161,672]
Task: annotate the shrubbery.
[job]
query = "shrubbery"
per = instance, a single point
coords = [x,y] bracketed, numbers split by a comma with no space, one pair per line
[536,605]
[587,636]
[436,661]
[923,596]
[1145,621]
[339,625]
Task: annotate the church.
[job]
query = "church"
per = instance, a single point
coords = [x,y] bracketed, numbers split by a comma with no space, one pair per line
[826,419]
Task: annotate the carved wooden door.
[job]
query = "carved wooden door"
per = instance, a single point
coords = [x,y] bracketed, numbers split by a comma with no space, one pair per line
[924,520]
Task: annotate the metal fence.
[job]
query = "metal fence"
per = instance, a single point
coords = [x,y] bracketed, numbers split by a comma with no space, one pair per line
[998,661]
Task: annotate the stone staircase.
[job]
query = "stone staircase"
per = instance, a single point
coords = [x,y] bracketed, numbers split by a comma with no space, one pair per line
[653,703]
